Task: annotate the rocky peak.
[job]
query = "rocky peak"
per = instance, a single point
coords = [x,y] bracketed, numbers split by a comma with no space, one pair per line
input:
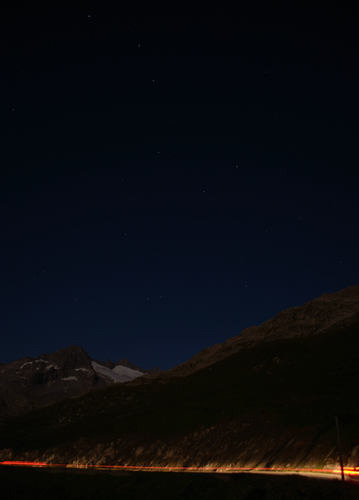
[155,370]
[34,382]
[69,359]
[124,362]
[110,364]
[128,364]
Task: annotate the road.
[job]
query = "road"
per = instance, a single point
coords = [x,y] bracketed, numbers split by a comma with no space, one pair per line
[350,473]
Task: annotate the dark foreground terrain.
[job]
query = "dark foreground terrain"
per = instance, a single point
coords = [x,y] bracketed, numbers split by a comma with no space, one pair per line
[266,398]
[55,484]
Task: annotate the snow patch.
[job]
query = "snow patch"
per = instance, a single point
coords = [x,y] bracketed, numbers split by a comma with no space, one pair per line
[69,378]
[50,366]
[31,362]
[82,370]
[27,363]
[123,370]
[118,374]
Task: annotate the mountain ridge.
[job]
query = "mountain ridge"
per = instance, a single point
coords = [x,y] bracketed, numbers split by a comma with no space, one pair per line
[29,383]
[312,318]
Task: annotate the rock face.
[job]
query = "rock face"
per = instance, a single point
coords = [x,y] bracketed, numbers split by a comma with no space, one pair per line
[320,315]
[31,383]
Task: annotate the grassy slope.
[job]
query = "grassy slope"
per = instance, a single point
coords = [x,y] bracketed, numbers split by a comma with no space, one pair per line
[315,379]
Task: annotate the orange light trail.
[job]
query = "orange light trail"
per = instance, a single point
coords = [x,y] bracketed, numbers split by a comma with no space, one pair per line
[349,471]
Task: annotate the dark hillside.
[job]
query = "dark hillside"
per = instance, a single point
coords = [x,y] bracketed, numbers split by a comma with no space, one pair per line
[271,404]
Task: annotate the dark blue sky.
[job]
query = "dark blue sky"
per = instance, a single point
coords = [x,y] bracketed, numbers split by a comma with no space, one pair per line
[170,179]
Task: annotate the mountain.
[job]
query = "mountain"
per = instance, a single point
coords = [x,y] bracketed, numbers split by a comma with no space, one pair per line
[267,398]
[321,315]
[30,383]
[124,362]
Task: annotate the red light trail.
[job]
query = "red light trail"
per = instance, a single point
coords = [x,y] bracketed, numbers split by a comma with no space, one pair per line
[349,471]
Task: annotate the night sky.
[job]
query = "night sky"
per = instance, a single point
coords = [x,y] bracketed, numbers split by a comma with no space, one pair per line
[171,176]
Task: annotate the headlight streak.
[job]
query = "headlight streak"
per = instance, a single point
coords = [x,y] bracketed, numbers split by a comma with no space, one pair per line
[348,471]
